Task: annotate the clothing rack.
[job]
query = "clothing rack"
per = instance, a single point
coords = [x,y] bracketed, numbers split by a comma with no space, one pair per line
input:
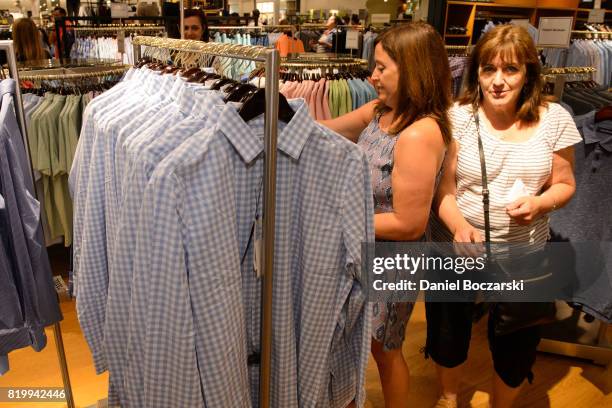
[254,28]
[272,63]
[592,34]
[117,28]
[103,22]
[7,46]
[600,352]
[324,63]
[458,50]
[59,74]
[559,76]
[315,26]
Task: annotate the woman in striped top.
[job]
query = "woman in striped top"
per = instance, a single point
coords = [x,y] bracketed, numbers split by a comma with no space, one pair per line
[528,150]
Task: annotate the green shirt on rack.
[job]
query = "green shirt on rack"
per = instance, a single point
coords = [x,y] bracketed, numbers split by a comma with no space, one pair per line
[346,102]
[33,129]
[334,98]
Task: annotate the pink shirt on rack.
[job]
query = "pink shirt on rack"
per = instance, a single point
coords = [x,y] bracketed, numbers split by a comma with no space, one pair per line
[312,98]
[326,110]
[319,114]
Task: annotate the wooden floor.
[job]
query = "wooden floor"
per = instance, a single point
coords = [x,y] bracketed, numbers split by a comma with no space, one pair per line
[559,382]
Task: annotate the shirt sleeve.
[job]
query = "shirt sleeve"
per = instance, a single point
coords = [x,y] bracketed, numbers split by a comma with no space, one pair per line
[161,346]
[358,222]
[564,132]
[460,117]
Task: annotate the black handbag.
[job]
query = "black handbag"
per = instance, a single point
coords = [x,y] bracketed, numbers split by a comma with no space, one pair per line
[509,317]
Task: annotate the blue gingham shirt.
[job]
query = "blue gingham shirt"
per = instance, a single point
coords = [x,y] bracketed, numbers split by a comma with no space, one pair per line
[190,295]
[141,162]
[93,215]
[95,228]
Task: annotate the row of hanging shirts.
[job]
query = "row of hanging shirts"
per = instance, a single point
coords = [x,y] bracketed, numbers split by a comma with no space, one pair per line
[53,111]
[106,44]
[596,53]
[587,217]
[167,186]
[27,293]
[332,95]
[245,37]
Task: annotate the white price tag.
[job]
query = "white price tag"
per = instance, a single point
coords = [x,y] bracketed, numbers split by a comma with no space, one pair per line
[352,39]
[257,248]
[121,42]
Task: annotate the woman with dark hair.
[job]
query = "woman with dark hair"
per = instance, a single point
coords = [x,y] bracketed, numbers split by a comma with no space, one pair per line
[405,133]
[195,25]
[527,142]
[326,41]
[28,41]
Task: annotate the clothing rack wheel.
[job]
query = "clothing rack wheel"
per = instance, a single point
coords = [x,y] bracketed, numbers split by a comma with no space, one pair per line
[7,46]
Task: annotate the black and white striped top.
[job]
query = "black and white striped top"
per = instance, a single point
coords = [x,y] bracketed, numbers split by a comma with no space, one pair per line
[531,161]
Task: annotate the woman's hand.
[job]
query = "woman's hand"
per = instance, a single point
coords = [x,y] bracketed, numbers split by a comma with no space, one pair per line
[467,241]
[526,209]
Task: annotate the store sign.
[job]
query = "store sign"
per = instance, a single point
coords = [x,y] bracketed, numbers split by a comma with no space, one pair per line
[381,18]
[352,39]
[555,32]
[597,16]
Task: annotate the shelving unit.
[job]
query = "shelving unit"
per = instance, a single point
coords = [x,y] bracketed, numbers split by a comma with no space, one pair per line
[470,15]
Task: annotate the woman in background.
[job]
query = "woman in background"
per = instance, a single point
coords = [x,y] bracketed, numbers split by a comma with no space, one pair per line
[195,24]
[326,41]
[27,41]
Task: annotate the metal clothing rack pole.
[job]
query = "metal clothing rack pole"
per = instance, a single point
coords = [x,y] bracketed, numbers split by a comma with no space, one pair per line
[591,34]
[119,28]
[182,18]
[259,28]
[59,74]
[271,58]
[7,46]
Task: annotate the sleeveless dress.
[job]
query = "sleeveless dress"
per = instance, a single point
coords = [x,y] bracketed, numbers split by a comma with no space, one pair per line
[389,319]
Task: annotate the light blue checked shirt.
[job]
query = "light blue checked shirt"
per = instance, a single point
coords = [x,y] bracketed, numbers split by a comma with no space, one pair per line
[191,115]
[92,251]
[188,344]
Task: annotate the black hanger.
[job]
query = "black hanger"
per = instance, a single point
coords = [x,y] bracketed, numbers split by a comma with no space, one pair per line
[231,88]
[196,76]
[237,93]
[170,69]
[186,73]
[220,83]
[255,105]
[207,76]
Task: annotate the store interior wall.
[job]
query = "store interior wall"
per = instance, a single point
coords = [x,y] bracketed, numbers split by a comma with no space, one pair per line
[383,7]
[241,6]
[26,5]
[306,5]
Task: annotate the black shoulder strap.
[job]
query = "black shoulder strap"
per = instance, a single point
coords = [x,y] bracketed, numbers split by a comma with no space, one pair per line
[485,184]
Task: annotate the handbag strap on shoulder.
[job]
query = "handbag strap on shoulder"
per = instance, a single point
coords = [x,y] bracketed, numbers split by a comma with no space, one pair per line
[485,185]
